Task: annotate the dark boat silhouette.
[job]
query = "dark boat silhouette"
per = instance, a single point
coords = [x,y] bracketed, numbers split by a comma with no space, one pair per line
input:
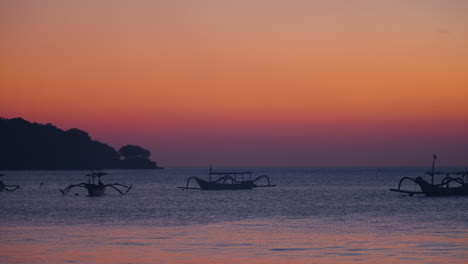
[99,188]
[228,181]
[7,187]
[450,185]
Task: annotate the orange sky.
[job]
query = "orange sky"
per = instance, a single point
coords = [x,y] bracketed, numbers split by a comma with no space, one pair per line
[245,82]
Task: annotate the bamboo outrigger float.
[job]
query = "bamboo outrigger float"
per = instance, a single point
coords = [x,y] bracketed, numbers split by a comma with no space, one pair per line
[228,181]
[441,189]
[7,187]
[97,189]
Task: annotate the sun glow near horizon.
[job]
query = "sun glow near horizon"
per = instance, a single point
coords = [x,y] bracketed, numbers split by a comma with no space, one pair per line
[191,78]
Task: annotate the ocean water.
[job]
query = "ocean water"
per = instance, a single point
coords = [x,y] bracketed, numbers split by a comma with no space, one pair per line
[313,215]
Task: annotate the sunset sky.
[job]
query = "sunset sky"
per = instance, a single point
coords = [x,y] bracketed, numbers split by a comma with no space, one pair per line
[246,83]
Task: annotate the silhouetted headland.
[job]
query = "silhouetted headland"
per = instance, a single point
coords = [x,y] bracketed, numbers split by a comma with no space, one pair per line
[32,146]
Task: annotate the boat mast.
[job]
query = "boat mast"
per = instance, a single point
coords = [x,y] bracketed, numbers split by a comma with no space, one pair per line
[434,157]
[210,171]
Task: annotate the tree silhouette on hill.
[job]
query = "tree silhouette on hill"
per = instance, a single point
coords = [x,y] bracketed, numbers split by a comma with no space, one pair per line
[130,152]
[135,156]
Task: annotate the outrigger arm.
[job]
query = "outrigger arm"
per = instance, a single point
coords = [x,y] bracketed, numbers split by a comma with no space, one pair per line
[411,193]
[10,188]
[267,179]
[66,190]
[128,188]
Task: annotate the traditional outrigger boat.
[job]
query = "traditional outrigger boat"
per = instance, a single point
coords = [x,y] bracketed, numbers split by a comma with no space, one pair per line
[7,187]
[228,181]
[97,189]
[441,189]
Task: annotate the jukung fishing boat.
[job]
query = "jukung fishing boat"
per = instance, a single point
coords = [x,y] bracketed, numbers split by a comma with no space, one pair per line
[7,187]
[450,185]
[228,181]
[97,189]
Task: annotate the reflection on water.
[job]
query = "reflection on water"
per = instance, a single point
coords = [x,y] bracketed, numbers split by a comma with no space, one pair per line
[288,241]
[313,216]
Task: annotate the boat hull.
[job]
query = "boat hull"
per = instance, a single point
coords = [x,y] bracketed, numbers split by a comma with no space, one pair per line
[95,189]
[433,190]
[206,185]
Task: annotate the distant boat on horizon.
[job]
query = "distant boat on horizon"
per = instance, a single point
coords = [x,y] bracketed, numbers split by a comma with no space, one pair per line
[96,189]
[441,189]
[228,181]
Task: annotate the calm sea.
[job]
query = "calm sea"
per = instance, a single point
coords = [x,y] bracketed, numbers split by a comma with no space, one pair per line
[314,215]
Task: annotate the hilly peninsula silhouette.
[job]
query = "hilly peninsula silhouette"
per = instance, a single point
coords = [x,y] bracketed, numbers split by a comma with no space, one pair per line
[31,146]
